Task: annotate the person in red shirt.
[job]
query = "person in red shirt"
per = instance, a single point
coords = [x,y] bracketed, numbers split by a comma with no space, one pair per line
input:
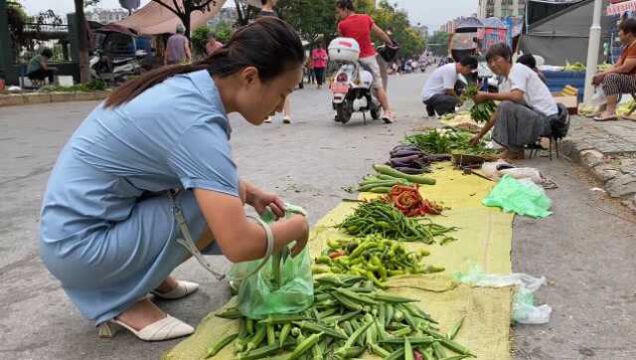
[360,27]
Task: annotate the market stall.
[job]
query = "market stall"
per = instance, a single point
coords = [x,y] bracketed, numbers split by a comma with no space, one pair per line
[396,270]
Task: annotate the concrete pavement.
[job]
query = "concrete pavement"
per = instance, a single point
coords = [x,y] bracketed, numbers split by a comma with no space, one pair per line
[582,248]
[608,150]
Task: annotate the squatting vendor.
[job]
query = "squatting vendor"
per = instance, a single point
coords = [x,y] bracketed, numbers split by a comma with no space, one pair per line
[523,116]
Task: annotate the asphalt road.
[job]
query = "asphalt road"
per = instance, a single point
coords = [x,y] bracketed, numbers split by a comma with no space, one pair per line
[584,249]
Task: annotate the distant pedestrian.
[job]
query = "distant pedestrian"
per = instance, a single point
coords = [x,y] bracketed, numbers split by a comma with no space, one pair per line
[268,10]
[212,45]
[309,70]
[320,57]
[530,61]
[178,48]
[38,68]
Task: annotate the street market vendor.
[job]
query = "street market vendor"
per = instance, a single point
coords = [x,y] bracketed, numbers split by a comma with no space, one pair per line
[439,90]
[112,226]
[621,78]
[523,116]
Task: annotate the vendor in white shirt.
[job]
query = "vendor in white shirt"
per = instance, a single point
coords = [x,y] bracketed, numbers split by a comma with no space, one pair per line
[523,116]
[439,90]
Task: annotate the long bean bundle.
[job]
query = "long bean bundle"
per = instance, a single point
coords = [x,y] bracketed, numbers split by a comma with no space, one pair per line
[377,217]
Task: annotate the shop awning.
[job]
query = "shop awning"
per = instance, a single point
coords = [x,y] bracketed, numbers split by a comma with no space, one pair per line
[155,19]
[621,7]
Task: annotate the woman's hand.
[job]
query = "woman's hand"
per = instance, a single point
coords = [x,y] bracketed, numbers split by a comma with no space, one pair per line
[598,79]
[260,199]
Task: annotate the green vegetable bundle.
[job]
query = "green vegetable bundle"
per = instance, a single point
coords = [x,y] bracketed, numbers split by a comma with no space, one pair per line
[482,112]
[349,317]
[374,257]
[479,112]
[377,217]
[447,141]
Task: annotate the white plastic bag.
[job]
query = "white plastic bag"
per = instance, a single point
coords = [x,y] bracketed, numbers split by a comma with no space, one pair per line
[524,309]
[598,98]
[523,173]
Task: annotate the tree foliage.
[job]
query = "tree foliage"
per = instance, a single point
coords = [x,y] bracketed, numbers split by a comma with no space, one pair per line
[223,32]
[312,18]
[438,43]
[387,17]
[199,39]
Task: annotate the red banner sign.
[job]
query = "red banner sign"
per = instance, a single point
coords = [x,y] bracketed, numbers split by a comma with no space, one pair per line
[621,8]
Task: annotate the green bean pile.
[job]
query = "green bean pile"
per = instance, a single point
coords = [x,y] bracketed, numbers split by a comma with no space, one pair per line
[349,317]
[377,217]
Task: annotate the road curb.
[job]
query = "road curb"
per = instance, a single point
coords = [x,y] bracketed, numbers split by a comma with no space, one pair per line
[616,173]
[50,97]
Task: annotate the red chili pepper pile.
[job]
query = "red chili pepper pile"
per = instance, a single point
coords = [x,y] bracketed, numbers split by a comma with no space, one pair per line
[408,200]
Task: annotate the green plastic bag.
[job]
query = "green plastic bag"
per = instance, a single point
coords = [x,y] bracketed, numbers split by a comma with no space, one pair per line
[522,197]
[259,296]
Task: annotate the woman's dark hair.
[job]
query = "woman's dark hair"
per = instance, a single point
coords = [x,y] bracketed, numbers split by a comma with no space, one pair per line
[528,60]
[269,44]
[47,52]
[497,50]
[345,5]
[628,26]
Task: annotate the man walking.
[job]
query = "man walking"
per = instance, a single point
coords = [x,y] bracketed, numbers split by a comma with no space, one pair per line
[439,90]
[178,48]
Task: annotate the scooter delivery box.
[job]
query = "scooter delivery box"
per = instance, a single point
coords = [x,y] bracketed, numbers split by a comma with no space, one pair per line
[344,49]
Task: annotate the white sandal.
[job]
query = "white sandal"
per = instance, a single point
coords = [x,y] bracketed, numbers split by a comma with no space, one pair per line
[183,289]
[165,329]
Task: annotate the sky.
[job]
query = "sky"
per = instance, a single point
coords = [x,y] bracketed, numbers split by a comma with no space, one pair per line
[421,11]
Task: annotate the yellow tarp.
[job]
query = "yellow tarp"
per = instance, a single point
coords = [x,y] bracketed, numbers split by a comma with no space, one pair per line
[484,239]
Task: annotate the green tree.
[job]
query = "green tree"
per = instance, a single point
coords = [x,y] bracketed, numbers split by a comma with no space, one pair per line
[223,32]
[312,18]
[199,39]
[387,17]
[438,43]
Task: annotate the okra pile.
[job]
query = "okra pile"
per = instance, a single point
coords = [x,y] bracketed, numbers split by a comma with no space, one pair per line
[349,317]
[373,257]
[377,217]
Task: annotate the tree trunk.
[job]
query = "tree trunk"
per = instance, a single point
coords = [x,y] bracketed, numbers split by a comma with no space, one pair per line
[85,74]
[185,19]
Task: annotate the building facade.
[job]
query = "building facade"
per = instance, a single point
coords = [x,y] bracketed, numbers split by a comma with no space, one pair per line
[423,30]
[106,16]
[501,8]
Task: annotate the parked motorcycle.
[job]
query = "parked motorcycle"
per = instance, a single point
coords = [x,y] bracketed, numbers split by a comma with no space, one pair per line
[352,87]
[115,71]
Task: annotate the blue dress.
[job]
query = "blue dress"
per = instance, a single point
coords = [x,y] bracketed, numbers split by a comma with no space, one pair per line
[108,232]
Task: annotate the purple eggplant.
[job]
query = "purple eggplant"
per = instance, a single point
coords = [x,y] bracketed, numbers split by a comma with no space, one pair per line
[403,153]
[406,158]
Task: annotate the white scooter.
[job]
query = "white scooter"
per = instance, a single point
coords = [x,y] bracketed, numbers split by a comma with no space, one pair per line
[352,87]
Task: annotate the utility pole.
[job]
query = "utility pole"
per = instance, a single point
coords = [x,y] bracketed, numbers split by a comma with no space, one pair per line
[592,50]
